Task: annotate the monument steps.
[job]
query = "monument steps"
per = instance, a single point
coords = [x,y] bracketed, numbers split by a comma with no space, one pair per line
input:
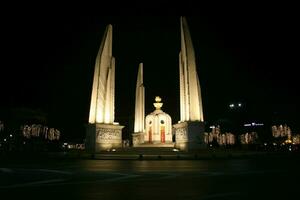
[143,150]
[139,153]
[152,149]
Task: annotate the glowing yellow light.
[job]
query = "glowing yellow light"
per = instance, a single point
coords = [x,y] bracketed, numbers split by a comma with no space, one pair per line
[107,117]
[158,103]
[288,141]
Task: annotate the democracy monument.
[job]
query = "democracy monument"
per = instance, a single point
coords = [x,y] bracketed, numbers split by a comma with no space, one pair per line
[155,129]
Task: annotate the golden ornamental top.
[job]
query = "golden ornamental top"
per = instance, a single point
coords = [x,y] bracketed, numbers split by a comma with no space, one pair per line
[157,99]
[158,103]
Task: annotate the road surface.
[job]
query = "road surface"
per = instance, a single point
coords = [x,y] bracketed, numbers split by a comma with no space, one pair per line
[255,178]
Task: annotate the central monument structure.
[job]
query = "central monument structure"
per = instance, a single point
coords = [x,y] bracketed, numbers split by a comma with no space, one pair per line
[189,131]
[102,132]
[154,130]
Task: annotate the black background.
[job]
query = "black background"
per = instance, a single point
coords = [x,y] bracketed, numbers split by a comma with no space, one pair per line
[245,53]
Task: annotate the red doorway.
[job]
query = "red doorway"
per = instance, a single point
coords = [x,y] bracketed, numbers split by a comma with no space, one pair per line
[150,134]
[162,134]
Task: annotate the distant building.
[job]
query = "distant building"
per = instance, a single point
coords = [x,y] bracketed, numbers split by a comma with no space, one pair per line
[222,139]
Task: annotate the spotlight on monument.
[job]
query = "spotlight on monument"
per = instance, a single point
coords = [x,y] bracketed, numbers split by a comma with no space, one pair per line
[189,133]
[139,117]
[103,132]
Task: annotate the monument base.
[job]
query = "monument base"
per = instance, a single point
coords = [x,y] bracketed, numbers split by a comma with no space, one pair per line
[137,138]
[103,137]
[155,145]
[189,135]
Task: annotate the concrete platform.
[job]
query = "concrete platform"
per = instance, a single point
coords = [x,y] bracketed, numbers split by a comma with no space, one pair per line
[155,145]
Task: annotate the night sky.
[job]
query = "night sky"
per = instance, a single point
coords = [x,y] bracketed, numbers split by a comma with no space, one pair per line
[247,54]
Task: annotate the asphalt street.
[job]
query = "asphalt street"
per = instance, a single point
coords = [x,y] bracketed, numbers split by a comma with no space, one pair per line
[255,178]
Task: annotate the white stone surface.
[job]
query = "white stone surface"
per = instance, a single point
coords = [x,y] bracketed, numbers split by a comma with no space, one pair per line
[190,92]
[137,138]
[102,137]
[189,135]
[158,126]
[103,91]
[139,119]
[102,132]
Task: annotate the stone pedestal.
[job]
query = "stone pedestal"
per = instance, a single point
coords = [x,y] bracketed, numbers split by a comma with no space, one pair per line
[102,137]
[189,135]
[137,139]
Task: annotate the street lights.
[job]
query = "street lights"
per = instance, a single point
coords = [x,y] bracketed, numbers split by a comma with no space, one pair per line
[234,106]
[236,116]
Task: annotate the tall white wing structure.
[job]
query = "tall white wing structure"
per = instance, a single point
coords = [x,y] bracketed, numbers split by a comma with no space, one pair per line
[190,92]
[103,91]
[139,119]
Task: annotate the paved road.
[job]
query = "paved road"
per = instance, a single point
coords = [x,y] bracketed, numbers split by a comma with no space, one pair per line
[268,178]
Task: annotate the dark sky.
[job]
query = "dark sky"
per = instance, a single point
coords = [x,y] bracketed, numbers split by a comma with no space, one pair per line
[247,54]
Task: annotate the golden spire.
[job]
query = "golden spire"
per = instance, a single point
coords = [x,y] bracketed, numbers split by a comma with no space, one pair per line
[158,103]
